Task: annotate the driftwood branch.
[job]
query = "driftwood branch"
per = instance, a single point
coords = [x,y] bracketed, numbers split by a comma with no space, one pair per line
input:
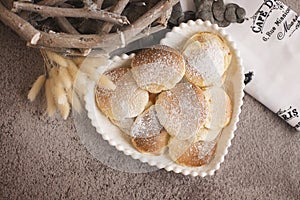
[19,25]
[148,31]
[50,2]
[72,12]
[63,51]
[164,18]
[145,20]
[108,41]
[118,8]
[99,3]
[62,40]
[7,3]
[68,43]
[66,26]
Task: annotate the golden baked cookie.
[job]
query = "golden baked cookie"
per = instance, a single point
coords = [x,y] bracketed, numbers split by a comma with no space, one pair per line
[158,68]
[193,152]
[220,108]
[148,135]
[125,99]
[207,58]
[182,110]
[105,88]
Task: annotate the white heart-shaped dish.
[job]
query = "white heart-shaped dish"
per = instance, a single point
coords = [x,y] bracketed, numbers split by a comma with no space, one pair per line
[233,85]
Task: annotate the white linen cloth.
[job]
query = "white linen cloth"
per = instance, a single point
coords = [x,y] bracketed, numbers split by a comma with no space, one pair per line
[269,42]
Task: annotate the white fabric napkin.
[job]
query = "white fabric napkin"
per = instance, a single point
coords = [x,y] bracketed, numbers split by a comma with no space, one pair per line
[269,42]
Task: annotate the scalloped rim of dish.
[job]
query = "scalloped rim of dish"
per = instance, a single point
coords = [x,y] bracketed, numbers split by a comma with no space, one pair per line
[173,166]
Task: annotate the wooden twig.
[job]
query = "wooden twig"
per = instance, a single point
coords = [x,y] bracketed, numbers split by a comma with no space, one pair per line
[174,2]
[99,3]
[87,3]
[65,5]
[66,26]
[145,20]
[72,12]
[69,42]
[62,40]
[135,1]
[164,18]
[109,41]
[118,8]
[148,31]
[7,3]
[88,26]
[20,26]
[50,2]
[63,51]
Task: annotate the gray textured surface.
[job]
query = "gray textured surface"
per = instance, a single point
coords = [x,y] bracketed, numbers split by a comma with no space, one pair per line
[42,158]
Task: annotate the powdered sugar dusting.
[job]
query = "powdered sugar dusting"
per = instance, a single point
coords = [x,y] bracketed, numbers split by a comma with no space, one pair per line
[157,74]
[206,58]
[146,125]
[158,66]
[182,110]
[167,108]
[204,148]
[124,124]
[196,152]
[200,153]
[128,100]
[103,94]
[178,147]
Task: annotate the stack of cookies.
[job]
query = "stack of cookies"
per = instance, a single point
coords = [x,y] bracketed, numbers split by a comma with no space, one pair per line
[170,100]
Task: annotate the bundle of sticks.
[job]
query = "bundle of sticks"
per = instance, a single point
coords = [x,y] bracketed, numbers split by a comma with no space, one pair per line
[66,31]
[74,27]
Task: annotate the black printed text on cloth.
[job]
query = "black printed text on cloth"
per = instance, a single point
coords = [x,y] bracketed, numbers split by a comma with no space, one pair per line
[269,42]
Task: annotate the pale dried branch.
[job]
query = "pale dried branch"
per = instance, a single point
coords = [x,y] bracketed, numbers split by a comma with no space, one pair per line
[108,41]
[145,20]
[118,9]
[50,2]
[19,25]
[62,40]
[72,12]
[148,31]
[66,26]
[7,3]
[29,33]
[99,3]
[164,18]
[68,42]
[63,51]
